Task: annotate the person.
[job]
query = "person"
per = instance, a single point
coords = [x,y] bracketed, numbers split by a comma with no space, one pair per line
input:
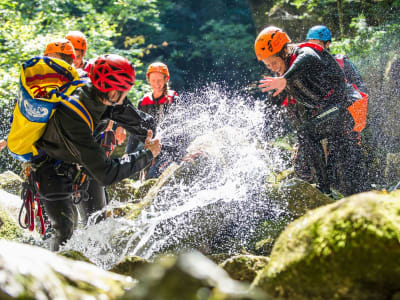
[71,165]
[311,85]
[61,49]
[321,35]
[157,103]
[110,134]
[79,42]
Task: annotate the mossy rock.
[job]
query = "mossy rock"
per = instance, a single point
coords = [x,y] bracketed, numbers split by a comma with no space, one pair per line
[244,267]
[190,276]
[30,272]
[144,188]
[123,190]
[75,255]
[130,266]
[349,249]
[10,182]
[9,230]
[297,196]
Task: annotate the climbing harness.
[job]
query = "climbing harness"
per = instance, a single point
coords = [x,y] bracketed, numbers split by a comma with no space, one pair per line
[34,213]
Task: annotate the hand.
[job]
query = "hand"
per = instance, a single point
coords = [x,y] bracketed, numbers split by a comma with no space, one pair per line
[190,157]
[153,145]
[3,144]
[272,83]
[120,135]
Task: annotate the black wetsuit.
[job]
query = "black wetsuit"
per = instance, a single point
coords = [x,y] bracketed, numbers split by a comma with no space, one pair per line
[68,142]
[316,97]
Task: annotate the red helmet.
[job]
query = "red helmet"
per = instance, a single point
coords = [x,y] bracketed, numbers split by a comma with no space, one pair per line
[112,72]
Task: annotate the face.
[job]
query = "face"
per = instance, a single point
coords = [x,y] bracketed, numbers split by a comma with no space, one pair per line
[275,64]
[318,42]
[157,82]
[78,58]
[115,98]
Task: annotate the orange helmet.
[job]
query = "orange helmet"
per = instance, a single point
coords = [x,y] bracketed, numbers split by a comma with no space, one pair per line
[60,46]
[158,67]
[78,40]
[270,41]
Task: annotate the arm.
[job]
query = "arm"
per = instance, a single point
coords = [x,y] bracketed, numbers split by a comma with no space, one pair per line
[132,119]
[80,142]
[353,76]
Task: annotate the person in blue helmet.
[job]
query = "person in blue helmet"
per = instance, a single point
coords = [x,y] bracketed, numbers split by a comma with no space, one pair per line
[321,35]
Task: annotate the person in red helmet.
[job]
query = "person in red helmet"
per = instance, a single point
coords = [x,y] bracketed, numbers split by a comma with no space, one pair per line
[72,166]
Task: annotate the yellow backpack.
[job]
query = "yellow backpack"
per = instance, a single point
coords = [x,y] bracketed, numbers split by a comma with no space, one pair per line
[44,84]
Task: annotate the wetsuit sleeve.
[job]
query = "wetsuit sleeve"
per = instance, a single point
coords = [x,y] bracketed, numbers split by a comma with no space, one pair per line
[353,76]
[133,120]
[80,142]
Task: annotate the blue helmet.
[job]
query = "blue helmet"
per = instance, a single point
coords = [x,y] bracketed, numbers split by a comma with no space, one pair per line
[319,32]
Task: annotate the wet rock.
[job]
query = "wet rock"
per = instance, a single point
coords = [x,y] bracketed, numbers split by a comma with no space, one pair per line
[292,198]
[130,266]
[298,196]
[28,272]
[74,255]
[9,229]
[10,182]
[122,191]
[144,188]
[349,249]
[244,267]
[191,277]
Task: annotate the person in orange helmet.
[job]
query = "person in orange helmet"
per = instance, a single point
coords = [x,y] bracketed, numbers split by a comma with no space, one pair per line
[79,41]
[61,49]
[311,85]
[157,103]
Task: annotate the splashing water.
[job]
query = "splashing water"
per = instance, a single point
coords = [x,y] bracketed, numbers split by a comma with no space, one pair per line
[218,208]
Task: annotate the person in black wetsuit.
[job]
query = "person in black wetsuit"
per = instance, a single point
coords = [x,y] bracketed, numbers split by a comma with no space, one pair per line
[311,85]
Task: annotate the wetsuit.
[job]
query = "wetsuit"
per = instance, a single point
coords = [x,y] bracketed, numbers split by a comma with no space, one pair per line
[68,143]
[316,97]
[350,72]
[157,108]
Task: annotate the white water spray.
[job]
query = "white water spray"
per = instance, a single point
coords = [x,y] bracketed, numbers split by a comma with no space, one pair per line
[219,207]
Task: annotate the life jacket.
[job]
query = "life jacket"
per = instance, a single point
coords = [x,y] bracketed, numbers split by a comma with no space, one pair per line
[148,99]
[293,57]
[45,83]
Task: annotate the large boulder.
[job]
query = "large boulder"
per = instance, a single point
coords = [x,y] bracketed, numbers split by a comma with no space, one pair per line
[190,276]
[346,250]
[28,272]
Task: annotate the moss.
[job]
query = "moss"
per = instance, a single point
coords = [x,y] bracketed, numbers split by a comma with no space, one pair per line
[9,230]
[130,266]
[350,248]
[143,189]
[75,255]
[244,267]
